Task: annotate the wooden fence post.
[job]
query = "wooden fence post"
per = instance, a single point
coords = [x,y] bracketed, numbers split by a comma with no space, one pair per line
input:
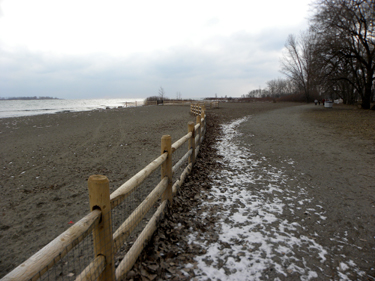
[203,123]
[103,238]
[191,142]
[199,129]
[166,167]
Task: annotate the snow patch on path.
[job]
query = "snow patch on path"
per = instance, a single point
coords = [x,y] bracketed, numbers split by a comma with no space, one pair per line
[254,242]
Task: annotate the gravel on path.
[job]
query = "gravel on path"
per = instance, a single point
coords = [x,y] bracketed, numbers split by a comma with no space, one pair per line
[287,196]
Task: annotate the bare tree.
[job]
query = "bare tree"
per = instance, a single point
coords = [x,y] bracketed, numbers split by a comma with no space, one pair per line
[279,87]
[161,93]
[257,93]
[346,29]
[272,87]
[298,62]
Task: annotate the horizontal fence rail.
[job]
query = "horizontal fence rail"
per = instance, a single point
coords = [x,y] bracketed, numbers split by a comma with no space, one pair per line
[98,223]
[194,105]
[128,187]
[196,108]
[40,262]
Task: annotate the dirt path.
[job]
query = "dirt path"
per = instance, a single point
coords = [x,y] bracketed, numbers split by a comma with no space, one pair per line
[286,197]
[337,171]
[296,201]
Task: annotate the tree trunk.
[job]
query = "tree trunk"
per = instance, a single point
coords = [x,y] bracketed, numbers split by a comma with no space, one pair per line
[366,98]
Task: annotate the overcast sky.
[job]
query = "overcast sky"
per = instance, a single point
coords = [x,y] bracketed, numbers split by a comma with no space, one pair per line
[129,49]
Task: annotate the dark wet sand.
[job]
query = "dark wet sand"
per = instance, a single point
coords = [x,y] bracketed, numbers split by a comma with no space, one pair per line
[47,159]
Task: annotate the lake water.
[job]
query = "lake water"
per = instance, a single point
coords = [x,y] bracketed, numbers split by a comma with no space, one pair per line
[17,108]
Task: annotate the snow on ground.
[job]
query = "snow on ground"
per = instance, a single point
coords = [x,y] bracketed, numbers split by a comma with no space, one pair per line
[254,240]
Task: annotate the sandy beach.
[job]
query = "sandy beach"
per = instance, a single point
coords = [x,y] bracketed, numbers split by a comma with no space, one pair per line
[46,161]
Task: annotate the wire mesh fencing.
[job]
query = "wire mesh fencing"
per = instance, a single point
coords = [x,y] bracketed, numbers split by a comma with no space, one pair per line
[71,265]
[106,243]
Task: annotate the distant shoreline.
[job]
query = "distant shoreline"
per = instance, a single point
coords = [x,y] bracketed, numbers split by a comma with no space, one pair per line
[29,98]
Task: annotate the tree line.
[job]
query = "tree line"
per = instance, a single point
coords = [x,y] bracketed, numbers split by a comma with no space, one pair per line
[334,58]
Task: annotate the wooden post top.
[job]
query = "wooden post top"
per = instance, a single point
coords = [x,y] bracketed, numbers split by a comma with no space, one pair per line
[165,137]
[98,178]
[98,192]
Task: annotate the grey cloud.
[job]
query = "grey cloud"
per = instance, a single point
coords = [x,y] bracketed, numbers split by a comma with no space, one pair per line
[1,10]
[238,62]
[212,22]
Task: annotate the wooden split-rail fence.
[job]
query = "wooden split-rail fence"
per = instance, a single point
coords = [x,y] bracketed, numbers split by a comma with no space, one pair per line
[194,104]
[196,108]
[98,221]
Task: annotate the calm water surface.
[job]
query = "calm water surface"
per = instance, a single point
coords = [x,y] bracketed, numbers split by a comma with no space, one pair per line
[17,108]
